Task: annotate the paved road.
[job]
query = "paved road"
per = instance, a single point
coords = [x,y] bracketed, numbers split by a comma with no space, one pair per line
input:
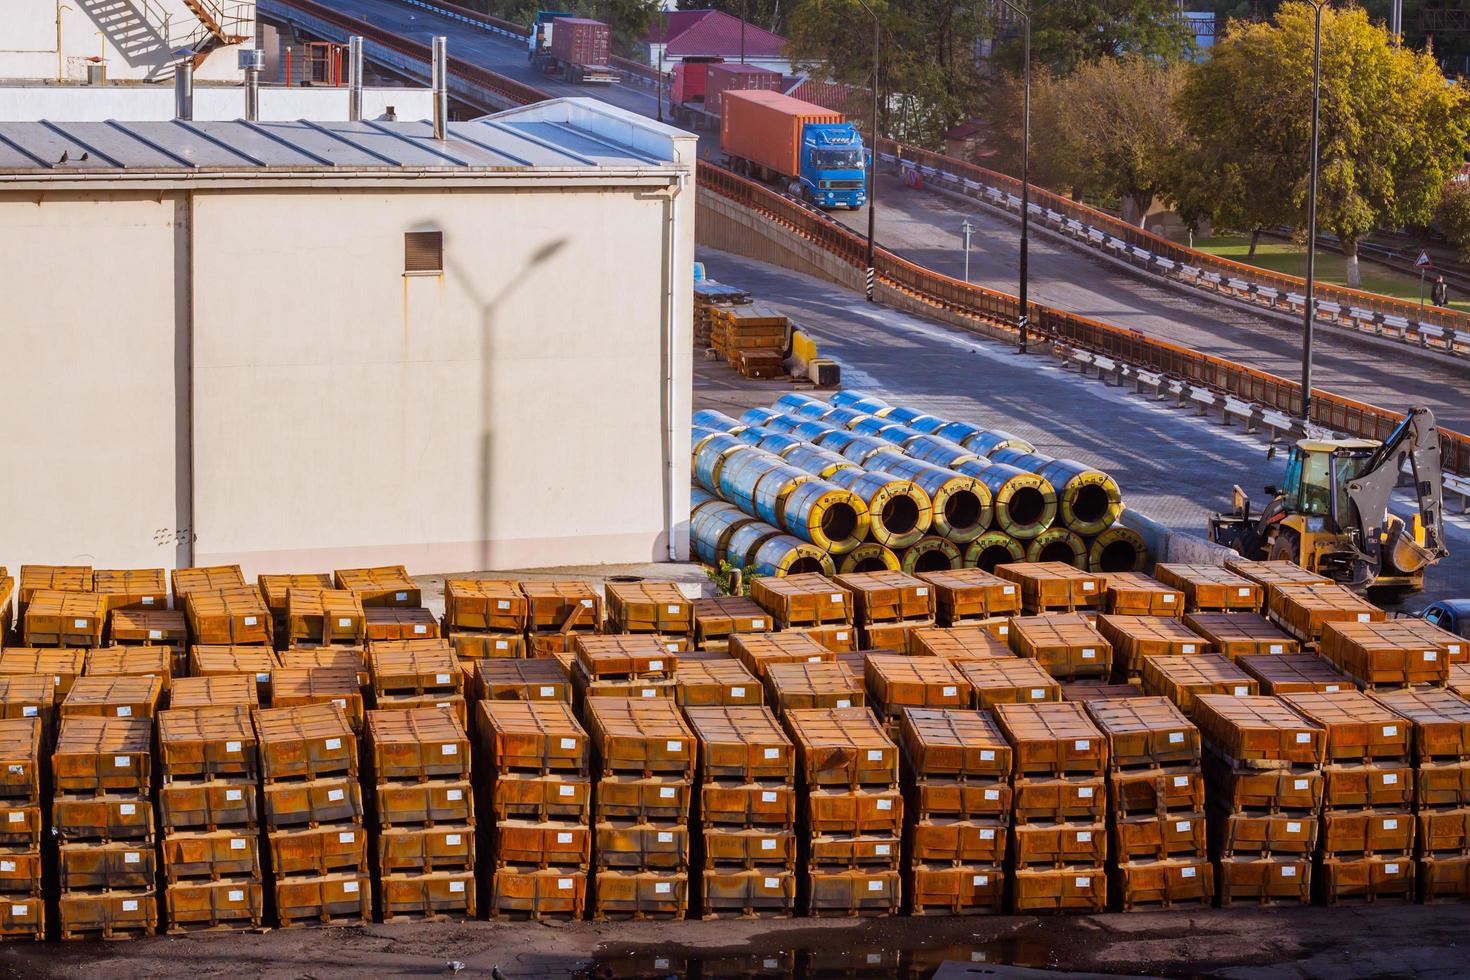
[1173,466]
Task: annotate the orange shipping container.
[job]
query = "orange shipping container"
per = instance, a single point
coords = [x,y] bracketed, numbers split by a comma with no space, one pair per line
[765,127]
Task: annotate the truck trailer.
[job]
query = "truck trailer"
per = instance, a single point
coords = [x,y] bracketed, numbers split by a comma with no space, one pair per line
[576,48]
[812,152]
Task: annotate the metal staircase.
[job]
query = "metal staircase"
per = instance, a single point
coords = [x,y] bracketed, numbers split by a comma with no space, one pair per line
[223,22]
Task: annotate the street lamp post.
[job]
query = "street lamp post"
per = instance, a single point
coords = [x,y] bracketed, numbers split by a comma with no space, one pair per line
[873,168]
[1309,303]
[967,230]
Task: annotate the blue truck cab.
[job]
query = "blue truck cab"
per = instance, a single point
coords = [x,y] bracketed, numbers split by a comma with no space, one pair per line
[834,165]
[538,42]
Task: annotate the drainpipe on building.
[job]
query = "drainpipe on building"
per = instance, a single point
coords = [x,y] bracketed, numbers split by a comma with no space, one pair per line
[671,451]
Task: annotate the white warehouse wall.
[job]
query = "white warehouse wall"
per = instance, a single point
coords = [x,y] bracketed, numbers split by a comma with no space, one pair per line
[87,103]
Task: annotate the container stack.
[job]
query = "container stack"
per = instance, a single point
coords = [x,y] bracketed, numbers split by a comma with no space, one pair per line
[102,820]
[424,864]
[22,907]
[1059,832]
[744,813]
[1263,770]
[888,605]
[208,817]
[751,337]
[314,816]
[1441,740]
[643,757]
[486,618]
[1366,848]
[957,806]
[850,813]
[1156,802]
[533,770]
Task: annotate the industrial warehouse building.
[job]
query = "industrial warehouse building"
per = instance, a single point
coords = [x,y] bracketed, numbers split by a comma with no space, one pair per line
[314,345]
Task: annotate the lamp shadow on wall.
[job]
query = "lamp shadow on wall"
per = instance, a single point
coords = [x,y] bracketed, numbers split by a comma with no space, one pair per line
[488,309]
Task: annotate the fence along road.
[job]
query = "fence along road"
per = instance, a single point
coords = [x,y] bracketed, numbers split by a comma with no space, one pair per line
[497,64]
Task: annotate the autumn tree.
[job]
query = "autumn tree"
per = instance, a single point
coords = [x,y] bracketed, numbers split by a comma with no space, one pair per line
[1453,214]
[1066,34]
[1392,128]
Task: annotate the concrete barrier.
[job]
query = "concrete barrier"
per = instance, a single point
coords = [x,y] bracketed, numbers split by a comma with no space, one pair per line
[1174,546]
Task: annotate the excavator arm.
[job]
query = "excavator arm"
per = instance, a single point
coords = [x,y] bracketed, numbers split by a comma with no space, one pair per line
[1416,440]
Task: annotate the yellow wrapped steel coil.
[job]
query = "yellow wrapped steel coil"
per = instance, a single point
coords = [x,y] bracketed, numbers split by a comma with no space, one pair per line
[745,540]
[833,519]
[712,525]
[1118,549]
[931,554]
[870,557]
[817,461]
[961,504]
[993,548]
[1025,504]
[786,555]
[1088,500]
[862,402]
[899,511]
[1058,544]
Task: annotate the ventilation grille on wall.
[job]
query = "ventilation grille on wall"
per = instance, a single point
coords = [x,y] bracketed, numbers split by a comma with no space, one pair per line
[423,252]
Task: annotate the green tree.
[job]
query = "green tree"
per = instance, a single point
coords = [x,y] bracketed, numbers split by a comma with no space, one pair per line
[1453,214]
[1392,128]
[629,19]
[1069,33]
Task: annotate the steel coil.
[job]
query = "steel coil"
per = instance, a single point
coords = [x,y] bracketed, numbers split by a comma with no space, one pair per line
[712,418]
[833,519]
[817,461]
[931,554]
[845,417]
[1058,544]
[740,551]
[774,488]
[927,425]
[870,557]
[870,425]
[961,504]
[988,441]
[899,512]
[740,475]
[786,555]
[1088,500]
[698,497]
[1025,504]
[862,449]
[711,527]
[835,440]
[958,432]
[905,415]
[1118,549]
[785,423]
[1019,457]
[862,402]
[993,548]
[813,430]
[793,403]
[768,439]
[710,459]
[940,452]
[757,416]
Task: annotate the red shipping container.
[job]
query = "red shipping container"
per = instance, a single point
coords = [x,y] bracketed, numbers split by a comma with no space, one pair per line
[579,41]
[737,77]
[765,128]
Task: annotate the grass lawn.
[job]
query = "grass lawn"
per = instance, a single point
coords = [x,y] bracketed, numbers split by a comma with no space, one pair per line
[1289,258]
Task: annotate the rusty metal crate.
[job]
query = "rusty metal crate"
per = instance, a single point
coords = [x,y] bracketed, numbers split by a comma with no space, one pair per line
[399,623]
[640,895]
[1210,588]
[207,805]
[1359,729]
[1365,880]
[1382,785]
[947,746]
[64,666]
[1456,648]
[1068,645]
[1237,634]
[432,803]
[1013,680]
[483,646]
[486,604]
[99,755]
[1303,610]
[1443,877]
[107,915]
[641,846]
[1157,837]
[1263,732]
[957,643]
[1085,691]
[747,893]
[718,617]
[211,855]
[305,742]
[563,604]
[898,683]
[325,616]
[220,690]
[408,702]
[1460,679]
[20,872]
[1272,573]
[1135,637]
[1146,733]
[112,697]
[208,578]
[132,588]
[639,656]
[107,866]
[1386,655]
[943,841]
[1293,673]
[847,813]
[966,594]
[425,671]
[1136,594]
[1267,834]
[168,627]
[208,906]
[351,658]
[748,847]
[521,680]
[29,696]
[542,843]
[420,744]
[842,747]
[335,899]
[387,585]
[852,892]
[1052,738]
[1139,886]
[52,578]
[276,588]
[1155,791]
[1058,799]
[1363,832]
[64,619]
[649,607]
[1294,789]
[429,895]
[228,616]
[1047,585]
[20,824]
[1082,888]
[545,796]
[640,736]
[131,661]
[754,805]
[327,849]
[808,599]
[818,685]
[424,849]
[741,744]
[531,737]
[293,687]
[1183,680]
[723,682]
[1441,722]
[101,818]
[216,742]
[954,889]
[757,651]
[1444,831]
[538,893]
[887,597]
[838,638]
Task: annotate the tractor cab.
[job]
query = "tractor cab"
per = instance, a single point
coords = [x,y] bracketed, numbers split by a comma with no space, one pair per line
[1318,472]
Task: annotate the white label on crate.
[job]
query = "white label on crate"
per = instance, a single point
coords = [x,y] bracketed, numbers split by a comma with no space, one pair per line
[672,647]
[987,755]
[456,886]
[1081,744]
[768,796]
[565,790]
[1083,836]
[1332,688]
[772,883]
[56,678]
[7,865]
[237,894]
[1454,649]
[453,840]
[132,857]
[502,644]
[1181,826]
[563,883]
[80,624]
[1181,780]
[1241,690]
[155,634]
[346,837]
[334,795]
[333,744]
[1007,590]
[660,964]
[147,600]
[987,834]
[772,753]
[1084,882]
[350,887]
[841,634]
[1430,656]
[400,597]
[250,620]
[1188,648]
[587,603]
[1390,730]
[655,665]
[1288,871]
[921,592]
[992,794]
[419,629]
[1186,872]
[340,702]
[980,880]
[121,761]
[454,795]
[1293,827]
[232,795]
[666,792]
[343,622]
[737,692]
[673,745]
[1004,630]
[1303,737]
[441,678]
[875,958]
[1084,792]
[661,887]
[757,624]
[28,711]
[237,844]
[130,905]
[767,845]
[1392,869]
[502,603]
[17,816]
[844,703]
[1299,784]
[561,838]
[1364,617]
[566,743]
[664,837]
[1390,825]
[1038,693]
[17,770]
[262,677]
[881,849]
[232,746]
[951,691]
[885,804]
[1175,738]
[1088,586]
[1278,648]
[547,692]
[875,886]
[875,755]
[1390,778]
[20,910]
[1168,598]
[836,597]
[124,711]
[673,610]
[647,692]
[449,748]
[1088,653]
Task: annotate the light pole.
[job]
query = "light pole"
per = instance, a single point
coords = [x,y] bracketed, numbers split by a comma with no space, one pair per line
[1309,303]
[663,35]
[873,168]
[967,230]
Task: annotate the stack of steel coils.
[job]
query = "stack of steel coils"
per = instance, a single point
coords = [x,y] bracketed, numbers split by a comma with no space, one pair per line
[862,485]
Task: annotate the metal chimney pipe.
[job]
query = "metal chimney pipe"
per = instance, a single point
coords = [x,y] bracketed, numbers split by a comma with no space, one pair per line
[184,88]
[354,78]
[440,78]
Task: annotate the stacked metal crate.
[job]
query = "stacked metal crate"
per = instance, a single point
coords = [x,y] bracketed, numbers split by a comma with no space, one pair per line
[1289,673]
[718,680]
[899,684]
[1441,741]
[1158,856]
[744,813]
[1211,588]
[560,610]
[1067,645]
[1263,774]
[811,604]
[1305,609]
[416,674]
[630,666]
[1048,586]
[966,596]
[485,618]
[325,617]
[1241,634]
[1365,849]
[1136,594]
[643,760]
[957,811]
[314,815]
[759,651]
[208,816]
[102,820]
[888,606]
[718,618]
[341,686]
[536,679]
[22,907]
[1058,806]
[819,685]
[275,590]
[257,662]
[424,866]
[1009,680]
[532,770]
[850,812]
[1134,637]
[1183,680]
[660,608]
